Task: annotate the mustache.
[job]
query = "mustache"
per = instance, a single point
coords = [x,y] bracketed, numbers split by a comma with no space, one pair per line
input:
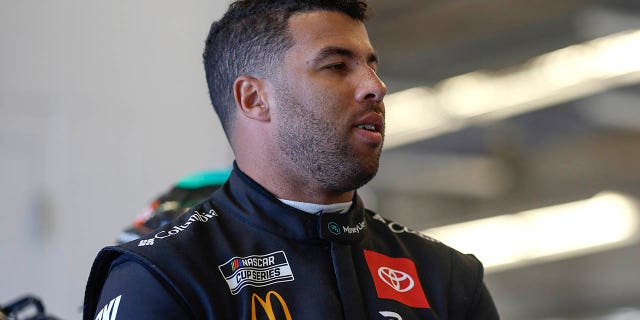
[377,107]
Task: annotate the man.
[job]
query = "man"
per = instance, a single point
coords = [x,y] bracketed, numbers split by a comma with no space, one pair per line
[294,84]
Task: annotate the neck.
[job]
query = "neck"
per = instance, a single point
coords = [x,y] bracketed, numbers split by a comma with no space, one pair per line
[285,185]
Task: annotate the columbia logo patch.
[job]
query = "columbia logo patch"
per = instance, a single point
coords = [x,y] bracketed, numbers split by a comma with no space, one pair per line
[256,270]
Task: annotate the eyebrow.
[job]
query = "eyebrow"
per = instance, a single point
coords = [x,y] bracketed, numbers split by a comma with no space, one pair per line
[327,52]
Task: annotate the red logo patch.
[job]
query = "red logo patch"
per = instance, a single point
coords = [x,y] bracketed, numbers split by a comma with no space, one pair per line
[396,279]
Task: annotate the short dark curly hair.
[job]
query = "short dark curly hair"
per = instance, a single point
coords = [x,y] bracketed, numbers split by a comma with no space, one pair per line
[252,37]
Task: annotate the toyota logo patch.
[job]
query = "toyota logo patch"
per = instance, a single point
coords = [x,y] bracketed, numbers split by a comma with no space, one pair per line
[398,280]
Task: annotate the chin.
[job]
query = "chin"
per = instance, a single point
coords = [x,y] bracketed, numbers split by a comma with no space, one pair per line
[361,176]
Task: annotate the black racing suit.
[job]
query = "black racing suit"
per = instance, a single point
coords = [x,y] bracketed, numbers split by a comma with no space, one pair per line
[243,254]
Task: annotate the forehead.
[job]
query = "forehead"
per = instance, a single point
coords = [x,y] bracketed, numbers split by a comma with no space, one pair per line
[315,30]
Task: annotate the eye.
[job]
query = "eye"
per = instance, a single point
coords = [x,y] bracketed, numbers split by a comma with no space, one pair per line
[341,66]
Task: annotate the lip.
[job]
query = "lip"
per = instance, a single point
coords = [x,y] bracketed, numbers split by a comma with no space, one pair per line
[373,118]
[371,137]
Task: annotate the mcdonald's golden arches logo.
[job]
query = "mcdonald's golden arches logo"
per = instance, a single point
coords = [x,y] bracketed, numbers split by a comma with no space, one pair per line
[268,307]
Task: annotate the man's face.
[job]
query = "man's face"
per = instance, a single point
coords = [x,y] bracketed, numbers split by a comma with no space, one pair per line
[329,112]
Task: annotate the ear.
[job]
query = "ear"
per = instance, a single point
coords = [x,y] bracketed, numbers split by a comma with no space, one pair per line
[251,99]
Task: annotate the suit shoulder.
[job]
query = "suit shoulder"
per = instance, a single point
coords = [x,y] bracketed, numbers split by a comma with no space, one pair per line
[398,228]
[178,229]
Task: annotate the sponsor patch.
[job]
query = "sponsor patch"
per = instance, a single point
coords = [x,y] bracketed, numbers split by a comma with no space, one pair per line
[256,271]
[390,315]
[110,311]
[341,227]
[334,228]
[267,306]
[396,279]
[398,228]
[196,217]
[145,242]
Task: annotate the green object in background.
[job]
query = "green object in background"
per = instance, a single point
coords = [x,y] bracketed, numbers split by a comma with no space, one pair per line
[189,191]
[204,178]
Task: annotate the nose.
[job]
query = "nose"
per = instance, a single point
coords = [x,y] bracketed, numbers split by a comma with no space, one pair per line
[370,88]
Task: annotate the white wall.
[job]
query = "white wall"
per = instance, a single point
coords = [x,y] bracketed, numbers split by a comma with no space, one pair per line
[103,104]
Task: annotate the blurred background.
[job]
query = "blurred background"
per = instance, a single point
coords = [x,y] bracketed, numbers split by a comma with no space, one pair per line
[513,133]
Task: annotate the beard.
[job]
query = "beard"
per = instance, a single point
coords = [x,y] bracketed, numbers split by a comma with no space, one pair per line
[317,148]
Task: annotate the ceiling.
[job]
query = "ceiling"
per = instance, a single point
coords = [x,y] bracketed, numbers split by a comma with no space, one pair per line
[556,154]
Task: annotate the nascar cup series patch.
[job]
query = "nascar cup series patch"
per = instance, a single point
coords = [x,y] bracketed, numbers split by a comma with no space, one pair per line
[256,270]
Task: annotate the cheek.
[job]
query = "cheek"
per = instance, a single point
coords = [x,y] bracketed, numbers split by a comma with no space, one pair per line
[326,100]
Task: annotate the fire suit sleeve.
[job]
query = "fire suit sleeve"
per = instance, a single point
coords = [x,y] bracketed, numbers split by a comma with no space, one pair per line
[132,292]
[481,305]
[484,308]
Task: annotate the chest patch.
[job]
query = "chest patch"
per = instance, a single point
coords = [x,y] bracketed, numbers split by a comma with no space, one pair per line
[396,279]
[256,270]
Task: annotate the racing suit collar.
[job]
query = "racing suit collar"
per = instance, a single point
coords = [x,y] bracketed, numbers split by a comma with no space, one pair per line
[257,206]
